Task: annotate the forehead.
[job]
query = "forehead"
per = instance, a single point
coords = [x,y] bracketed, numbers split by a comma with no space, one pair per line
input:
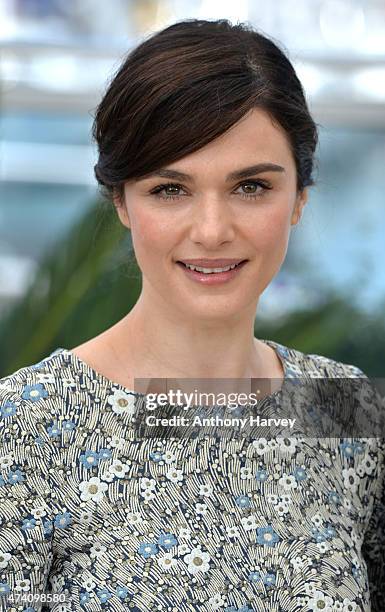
[256,137]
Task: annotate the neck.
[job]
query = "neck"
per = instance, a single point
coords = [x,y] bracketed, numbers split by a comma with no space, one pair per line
[157,342]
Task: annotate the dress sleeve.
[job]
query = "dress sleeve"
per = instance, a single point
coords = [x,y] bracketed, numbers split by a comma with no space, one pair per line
[373,548]
[26,525]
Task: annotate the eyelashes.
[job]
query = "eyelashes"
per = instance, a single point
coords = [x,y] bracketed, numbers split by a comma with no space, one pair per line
[257,194]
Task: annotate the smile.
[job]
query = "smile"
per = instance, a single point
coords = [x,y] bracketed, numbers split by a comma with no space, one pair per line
[211,276]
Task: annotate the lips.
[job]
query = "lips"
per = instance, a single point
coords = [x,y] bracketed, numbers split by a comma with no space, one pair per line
[211,263]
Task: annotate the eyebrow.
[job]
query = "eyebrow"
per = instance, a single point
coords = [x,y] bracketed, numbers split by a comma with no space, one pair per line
[237,174]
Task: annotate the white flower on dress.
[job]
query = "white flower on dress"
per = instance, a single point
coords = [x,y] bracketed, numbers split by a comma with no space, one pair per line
[272,498]
[201,508]
[320,601]
[148,483]
[167,561]
[68,383]
[197,561]
[92,489]
[233,531]
[185,532]
[298,564]
[86,517]
[349,606]
[368,465]
[317,520]
[57,582]
[246,472]
[351,479]
[168,457]
[118,468]
[281,508]
[174,475]
[97,550]
[322,546]
[38,512]
[287,445]
[45,378]
[286,498]
[107,476]
[6,461]
[4,559]
[205,489]
[249,522]
[88,584]
[183,549]
[261,446]
[122,403]
[134,518]
[117,442]
[147,494]
[288,482]
[216,601]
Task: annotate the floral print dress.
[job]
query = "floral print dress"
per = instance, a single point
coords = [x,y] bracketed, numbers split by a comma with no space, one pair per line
[93,518]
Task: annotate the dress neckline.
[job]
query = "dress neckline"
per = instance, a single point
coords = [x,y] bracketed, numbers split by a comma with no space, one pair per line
[280,350]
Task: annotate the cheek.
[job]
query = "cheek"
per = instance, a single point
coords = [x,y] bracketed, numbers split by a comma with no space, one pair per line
[270,231]
[150,237]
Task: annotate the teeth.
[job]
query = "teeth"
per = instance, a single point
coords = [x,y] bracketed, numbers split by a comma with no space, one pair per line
[210,270]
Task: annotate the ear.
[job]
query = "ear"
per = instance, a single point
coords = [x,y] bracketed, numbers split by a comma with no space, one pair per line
[299,205]
[121,209]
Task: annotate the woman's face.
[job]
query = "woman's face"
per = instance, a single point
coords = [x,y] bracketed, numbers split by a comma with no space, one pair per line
[211,215]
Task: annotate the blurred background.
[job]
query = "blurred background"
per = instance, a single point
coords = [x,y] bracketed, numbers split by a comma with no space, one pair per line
[66,271]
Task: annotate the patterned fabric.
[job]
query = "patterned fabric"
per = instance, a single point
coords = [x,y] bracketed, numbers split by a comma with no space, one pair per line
[94,516]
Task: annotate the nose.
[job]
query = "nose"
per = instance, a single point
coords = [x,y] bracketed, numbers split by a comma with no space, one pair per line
[212,222]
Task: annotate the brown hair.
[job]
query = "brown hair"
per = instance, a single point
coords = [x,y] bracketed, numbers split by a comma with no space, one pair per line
[185,86]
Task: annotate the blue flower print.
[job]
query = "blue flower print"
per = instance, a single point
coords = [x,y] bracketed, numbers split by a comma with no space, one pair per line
[231,609]
[29,609]
[156,456]
[347,449]
[300,474]
[89,458]
[261,475]
[254,576]
[4,588]
[104,595]
[245,609]
[105,453]
[84,597]
[146,549]
[243,501]
[63,520]
[267,535]
[15,476]
[48,526]
[34,392]
[68,425]
[121,592]
[7,410]
[28,524]
[334,498]
[358,448]
[2,481]
[53,430]
[318,535]
[269,579]
[39,441]
[167,540]
[329,532]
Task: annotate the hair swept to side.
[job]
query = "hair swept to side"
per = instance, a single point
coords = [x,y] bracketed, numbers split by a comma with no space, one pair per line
[186,85]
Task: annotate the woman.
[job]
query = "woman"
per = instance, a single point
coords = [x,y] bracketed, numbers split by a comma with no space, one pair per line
[206,149]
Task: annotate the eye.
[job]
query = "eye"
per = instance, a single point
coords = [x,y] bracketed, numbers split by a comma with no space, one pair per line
[255,194]
[175,186]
